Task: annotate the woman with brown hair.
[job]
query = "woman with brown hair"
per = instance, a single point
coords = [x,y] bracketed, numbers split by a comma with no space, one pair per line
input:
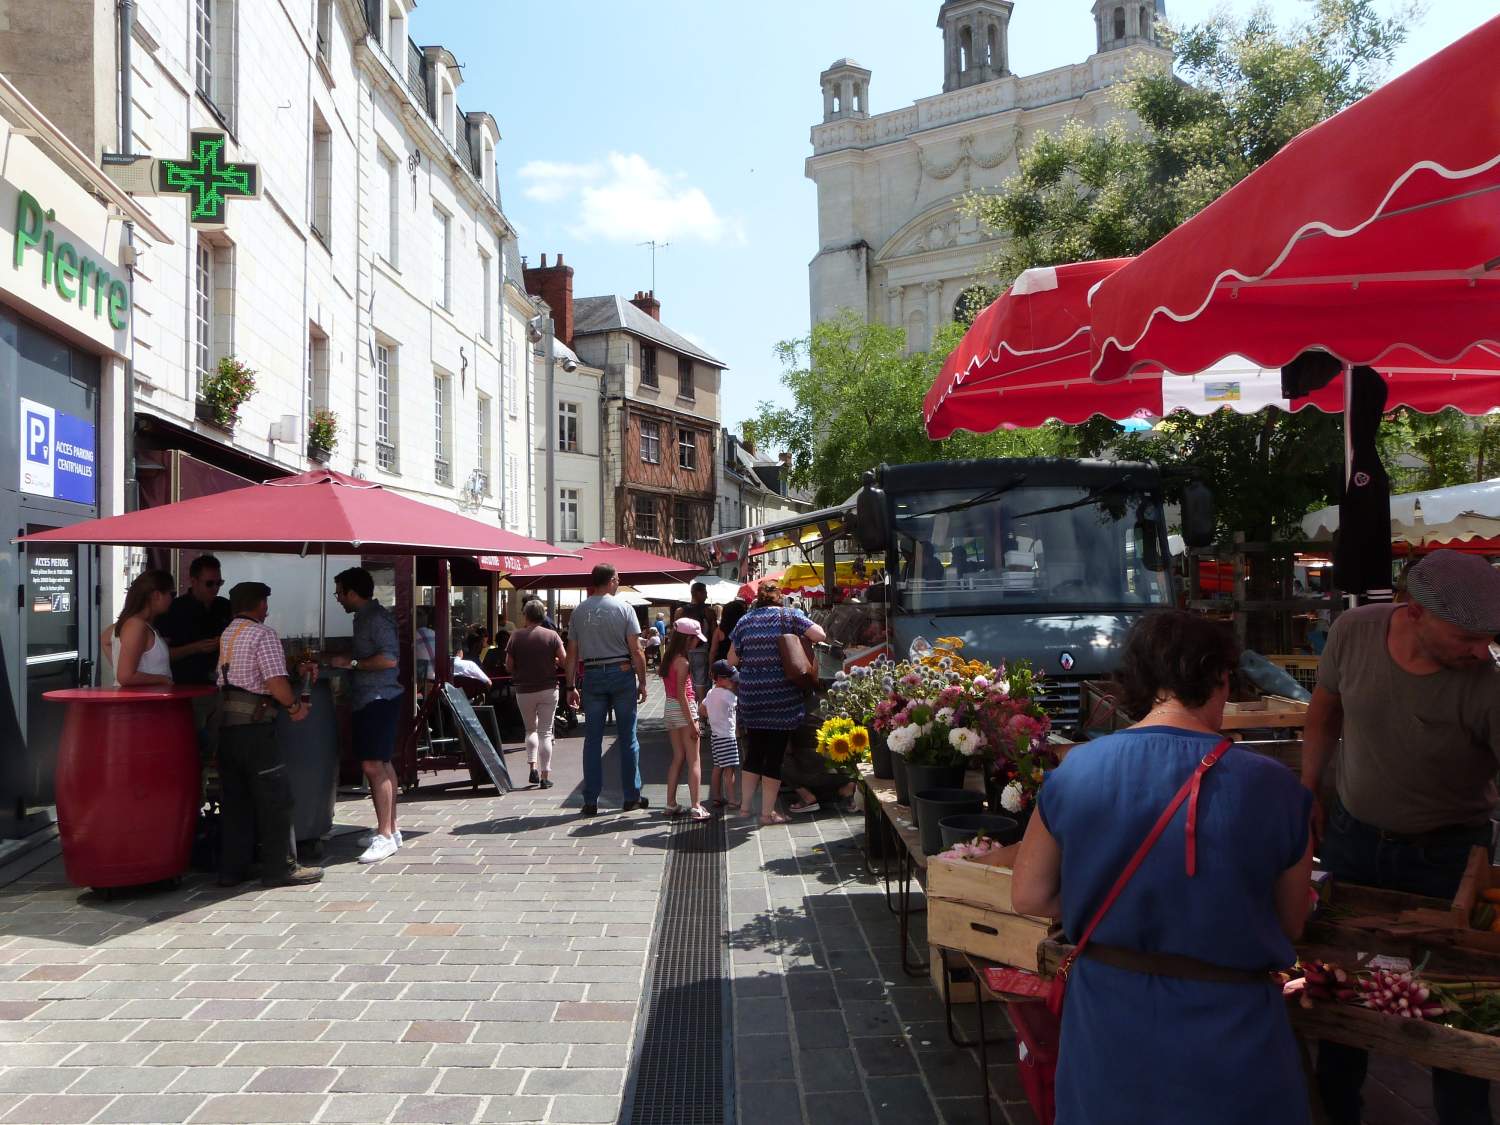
[144,659]
[770,708]
[1180,967]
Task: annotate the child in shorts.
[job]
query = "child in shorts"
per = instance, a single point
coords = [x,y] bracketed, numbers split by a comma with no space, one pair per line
[721,705]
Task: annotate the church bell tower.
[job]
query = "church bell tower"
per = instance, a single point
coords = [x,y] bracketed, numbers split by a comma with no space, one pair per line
[1124,23]
[976,41]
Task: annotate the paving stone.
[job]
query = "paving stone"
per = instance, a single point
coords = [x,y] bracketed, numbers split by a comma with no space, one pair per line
[820,1029]
[361,1108]
[433,1109]
[378,1079]
[763,1057]
[901,1101]
[212,1080]
[583,1110]
[838,1109]
[283,1054]
[123,1079]
[55,1109]
[111,1054]
[827,1070]
[292,1080]
[474,1080]
[36,1079]
[571,1081]
[517,1109]
[970,1111]
[596,1055]
[769,1103]
[760,1016]
[450,1055]
[234,1109]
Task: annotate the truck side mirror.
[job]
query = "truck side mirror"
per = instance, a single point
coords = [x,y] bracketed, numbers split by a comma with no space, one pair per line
[1199,528]
[872,527]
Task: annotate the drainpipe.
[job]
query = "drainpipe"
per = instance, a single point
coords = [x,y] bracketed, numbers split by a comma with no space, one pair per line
[127,33]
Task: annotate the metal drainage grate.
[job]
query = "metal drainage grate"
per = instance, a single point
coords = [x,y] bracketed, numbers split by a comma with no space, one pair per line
[682,1051]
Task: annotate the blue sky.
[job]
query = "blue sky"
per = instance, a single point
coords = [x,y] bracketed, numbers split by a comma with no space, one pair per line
[687,121]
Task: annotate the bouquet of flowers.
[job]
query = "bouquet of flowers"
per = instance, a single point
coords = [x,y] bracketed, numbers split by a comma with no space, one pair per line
[843,744]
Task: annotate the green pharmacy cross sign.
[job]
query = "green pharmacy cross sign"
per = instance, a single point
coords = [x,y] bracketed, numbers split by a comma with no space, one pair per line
[207,179]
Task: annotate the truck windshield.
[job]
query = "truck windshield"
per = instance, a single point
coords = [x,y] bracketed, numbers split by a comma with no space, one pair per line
[1029,546]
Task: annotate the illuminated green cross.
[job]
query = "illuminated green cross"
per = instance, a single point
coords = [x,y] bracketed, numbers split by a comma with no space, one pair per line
[208,179]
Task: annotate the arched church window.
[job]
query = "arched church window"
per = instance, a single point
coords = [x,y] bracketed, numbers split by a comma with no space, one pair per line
[1119,23]
[992,48]
[1145,21]
[965,49]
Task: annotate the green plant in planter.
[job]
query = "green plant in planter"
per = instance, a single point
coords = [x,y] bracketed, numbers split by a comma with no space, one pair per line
[225,389]
[322,434]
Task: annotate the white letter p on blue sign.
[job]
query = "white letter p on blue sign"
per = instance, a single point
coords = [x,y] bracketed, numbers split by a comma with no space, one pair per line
[38,424]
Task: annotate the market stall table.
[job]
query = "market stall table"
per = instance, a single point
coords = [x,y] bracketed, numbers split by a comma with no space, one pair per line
[128,783]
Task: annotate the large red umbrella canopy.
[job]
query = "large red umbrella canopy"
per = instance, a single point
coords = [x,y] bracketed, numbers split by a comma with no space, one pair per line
[1025,362]
[1372,236]
[311,513]
[633,567]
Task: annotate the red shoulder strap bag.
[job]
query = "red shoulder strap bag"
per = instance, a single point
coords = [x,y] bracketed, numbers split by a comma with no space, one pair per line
[1188,793]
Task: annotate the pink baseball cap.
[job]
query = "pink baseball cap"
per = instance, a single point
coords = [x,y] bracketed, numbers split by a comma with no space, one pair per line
[689,626]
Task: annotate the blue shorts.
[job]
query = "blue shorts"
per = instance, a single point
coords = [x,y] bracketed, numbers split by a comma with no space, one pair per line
[374,729]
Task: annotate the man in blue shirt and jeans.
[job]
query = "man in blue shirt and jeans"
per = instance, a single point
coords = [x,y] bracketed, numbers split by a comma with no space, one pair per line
[605,636]
[376,699]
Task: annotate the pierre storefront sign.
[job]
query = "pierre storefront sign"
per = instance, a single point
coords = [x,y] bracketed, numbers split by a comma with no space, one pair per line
[57,454]
[78,277]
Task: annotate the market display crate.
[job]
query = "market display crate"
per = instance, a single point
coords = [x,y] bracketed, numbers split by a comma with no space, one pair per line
[1480,888]
[969,909]
[1357,920]
[1301,667]
[1420,1041]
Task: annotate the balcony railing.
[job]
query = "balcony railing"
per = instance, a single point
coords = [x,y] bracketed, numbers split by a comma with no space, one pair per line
[442,472]
[385,456]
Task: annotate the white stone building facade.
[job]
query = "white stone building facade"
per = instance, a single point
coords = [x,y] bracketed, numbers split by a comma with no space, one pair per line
[369,278]
[893,242]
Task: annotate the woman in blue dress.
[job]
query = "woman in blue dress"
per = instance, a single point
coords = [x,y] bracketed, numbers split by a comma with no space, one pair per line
[1172,1016]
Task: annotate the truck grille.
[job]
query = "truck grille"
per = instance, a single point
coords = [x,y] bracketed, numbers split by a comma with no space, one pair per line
[1062,698]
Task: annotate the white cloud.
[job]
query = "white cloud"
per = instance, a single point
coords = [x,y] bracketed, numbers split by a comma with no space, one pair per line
[623,198]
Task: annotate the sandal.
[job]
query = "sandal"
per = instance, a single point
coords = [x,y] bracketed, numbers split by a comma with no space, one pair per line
[719,803]
[698,812]
[672,810]
[803,807]
[774,818]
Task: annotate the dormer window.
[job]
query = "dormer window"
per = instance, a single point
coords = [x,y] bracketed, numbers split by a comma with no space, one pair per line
[395,30]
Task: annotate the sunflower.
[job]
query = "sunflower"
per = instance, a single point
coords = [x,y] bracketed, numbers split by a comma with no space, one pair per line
[839,748]
[859,738]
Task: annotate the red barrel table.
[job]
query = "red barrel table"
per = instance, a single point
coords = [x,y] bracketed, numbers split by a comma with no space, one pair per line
[128,783]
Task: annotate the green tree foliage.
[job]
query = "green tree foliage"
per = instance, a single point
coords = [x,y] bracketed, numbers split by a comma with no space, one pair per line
[857,401]
[1435,451]
[1240,90]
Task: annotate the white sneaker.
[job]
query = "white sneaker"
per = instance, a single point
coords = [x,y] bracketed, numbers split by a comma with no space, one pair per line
[369,838]
[382,847]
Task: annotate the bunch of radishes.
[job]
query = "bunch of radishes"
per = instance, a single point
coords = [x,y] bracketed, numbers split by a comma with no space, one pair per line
[1323,981]
[1399,994]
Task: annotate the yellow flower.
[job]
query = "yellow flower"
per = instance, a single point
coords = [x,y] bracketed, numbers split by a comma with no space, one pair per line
[954,643]
[859,738]
[838,747]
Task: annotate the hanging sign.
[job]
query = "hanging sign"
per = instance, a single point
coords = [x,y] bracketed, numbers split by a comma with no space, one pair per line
[57,454]
[208,179]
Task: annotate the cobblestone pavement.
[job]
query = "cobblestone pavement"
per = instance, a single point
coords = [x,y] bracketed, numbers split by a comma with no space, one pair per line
[491,971]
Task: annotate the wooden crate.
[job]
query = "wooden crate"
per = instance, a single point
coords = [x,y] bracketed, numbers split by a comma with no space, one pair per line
[985,884]
[969,909]
[1480,876]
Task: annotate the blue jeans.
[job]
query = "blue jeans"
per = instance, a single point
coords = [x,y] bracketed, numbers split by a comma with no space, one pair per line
[1356,852]
[603,689]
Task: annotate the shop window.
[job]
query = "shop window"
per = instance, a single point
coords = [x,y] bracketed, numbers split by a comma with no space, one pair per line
[650,441]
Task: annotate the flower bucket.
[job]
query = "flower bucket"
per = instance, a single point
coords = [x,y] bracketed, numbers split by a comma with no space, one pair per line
[898,775]
[933,805]
[919,778]
[880,758]
[962,827]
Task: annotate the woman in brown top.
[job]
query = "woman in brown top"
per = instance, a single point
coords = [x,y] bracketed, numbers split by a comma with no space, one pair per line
[534,658]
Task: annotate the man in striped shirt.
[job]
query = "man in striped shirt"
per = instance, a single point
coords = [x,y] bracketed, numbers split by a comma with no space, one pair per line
[256,800]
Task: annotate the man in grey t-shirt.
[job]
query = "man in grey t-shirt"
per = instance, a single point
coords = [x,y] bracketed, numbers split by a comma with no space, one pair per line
[1415,695]
[604,636]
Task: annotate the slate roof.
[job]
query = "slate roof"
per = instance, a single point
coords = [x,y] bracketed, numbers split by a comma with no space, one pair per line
[592,315]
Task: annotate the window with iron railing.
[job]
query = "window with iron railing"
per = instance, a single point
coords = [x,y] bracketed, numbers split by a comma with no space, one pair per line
[385,407]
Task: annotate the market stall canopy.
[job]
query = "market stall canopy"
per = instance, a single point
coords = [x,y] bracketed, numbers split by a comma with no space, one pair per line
[1462,513]
[634,567]
[804,530]
[1006,374]
[311,513]
[1371,236]
[721,591]
[805,578]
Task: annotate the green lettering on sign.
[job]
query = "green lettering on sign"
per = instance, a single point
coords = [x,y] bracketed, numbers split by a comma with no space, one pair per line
[63,270]
[207,179]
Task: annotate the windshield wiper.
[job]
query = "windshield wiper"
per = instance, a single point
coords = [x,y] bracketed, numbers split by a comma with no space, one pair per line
[1092,496]
[964,505]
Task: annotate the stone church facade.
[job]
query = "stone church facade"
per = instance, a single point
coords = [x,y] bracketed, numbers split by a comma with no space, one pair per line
[893,243]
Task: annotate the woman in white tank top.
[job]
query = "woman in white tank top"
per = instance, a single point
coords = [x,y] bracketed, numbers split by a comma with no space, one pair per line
[144,658]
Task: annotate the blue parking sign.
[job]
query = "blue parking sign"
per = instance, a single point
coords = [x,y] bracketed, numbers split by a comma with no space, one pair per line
[58,458]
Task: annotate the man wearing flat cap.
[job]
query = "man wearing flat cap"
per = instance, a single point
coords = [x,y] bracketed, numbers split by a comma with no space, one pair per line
[1414,693]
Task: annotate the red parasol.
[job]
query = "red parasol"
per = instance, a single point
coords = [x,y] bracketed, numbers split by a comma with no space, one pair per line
[1371,236]
[314,512]
[1024,363]
[632,566]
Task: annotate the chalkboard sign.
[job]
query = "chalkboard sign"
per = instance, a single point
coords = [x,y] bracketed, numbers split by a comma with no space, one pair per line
[474,737]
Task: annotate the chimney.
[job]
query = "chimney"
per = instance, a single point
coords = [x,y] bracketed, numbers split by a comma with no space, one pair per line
[646,301]
[554,284]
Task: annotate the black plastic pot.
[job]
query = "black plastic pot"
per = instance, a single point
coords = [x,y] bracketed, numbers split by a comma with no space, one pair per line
[933,805]
[880,758]
[919,778]
[962,827]
[898,775]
